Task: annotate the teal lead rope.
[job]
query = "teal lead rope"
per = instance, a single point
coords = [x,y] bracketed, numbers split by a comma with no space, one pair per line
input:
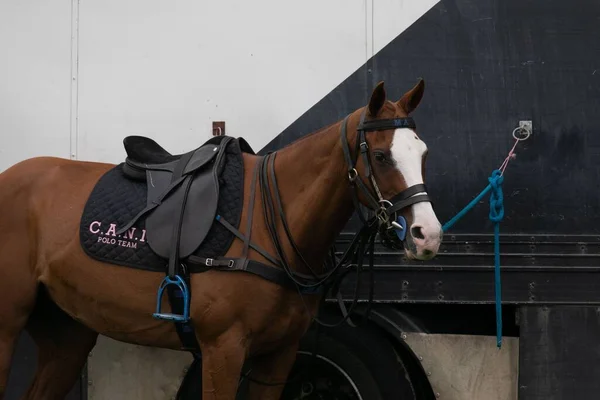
[496,215]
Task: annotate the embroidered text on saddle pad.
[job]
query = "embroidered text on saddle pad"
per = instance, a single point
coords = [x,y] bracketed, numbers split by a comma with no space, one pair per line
[116,199]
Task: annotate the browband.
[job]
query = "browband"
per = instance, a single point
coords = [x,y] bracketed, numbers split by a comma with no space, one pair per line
[383,124]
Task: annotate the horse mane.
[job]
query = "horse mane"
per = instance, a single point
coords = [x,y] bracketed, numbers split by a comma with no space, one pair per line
[310,135]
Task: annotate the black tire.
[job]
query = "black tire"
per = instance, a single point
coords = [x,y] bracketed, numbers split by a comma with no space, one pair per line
[351,364]
[336,373]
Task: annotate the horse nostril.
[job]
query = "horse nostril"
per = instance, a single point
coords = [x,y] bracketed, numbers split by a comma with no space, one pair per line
[417,232]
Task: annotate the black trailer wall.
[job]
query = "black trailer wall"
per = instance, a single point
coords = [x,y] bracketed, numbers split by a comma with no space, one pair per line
[488,64]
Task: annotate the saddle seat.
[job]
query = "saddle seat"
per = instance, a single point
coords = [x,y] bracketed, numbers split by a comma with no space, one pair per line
[145,150]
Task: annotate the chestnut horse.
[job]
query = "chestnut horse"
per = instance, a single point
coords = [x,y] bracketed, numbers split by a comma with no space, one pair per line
[373,157]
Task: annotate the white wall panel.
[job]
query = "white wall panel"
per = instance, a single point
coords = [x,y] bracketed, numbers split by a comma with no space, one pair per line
[35,79]
[168,69]
[468,367]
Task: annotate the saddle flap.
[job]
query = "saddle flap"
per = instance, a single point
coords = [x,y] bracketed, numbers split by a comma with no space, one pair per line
[199,209]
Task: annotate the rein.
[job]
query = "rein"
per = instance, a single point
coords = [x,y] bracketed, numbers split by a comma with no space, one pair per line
[387,221]
[391,226]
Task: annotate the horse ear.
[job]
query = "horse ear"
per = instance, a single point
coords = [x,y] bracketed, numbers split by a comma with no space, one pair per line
[377,99]
[412,98]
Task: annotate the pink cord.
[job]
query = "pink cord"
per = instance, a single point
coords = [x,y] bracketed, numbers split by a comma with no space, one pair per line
[511,156]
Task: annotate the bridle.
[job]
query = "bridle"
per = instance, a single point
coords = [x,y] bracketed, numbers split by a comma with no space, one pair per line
[392,226]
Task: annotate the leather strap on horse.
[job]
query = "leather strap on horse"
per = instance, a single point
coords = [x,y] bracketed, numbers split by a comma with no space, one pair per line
[408,197]
[272,206]
[185,330]
[173,268]
[282,272]
[403,199]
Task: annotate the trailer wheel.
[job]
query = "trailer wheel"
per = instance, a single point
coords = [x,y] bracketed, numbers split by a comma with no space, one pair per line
[351,364]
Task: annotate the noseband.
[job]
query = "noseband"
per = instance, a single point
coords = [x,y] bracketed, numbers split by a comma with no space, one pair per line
[390,224]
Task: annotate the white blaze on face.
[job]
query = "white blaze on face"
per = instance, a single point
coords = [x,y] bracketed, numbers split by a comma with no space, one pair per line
[407,151]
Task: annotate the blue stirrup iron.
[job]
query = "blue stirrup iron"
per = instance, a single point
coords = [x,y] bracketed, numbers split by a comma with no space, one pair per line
[183,291]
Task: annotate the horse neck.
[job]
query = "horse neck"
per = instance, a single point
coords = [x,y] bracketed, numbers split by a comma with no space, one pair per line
[313,185]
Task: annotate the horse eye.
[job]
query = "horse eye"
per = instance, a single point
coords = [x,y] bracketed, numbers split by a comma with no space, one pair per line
[379,156]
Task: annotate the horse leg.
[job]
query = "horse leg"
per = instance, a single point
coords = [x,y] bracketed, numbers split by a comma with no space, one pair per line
[272,368]
[8,337]
[18,292]
[222,362]
[7,345]
[63,347]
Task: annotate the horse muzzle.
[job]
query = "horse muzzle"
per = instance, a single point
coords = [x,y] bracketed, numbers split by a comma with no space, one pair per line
[423,244]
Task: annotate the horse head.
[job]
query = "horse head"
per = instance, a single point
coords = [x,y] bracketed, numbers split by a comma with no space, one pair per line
[387,168]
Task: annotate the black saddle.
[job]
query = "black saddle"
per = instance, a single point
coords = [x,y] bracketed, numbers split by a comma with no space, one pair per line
[182,194]
[181,208]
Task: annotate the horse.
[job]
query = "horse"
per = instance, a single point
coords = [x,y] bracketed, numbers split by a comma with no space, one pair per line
[254,300]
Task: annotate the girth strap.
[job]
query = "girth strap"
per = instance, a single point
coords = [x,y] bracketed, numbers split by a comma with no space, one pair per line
[272,274]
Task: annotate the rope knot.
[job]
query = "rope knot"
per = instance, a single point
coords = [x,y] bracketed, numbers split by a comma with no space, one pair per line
[496,196]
